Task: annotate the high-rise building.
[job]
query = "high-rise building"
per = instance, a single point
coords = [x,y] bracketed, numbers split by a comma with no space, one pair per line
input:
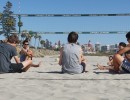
[112,47]
[97,47]
[105,48]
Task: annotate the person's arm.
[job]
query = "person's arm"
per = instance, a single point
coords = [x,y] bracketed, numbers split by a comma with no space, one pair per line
[16,58]
[31,54]
[26,52]
[60,58]
[23,51]
[122,51]
[81,56]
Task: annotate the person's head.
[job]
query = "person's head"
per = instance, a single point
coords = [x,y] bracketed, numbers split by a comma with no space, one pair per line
[25,44]
[13,39]
[121,45]
[128,37]
[127,55]
[72,37]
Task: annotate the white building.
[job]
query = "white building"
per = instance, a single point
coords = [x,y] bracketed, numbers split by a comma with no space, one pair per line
[97,47]
[105,48]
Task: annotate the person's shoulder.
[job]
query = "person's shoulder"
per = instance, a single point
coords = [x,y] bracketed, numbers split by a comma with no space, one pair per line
[128,45]
[66,45]
[3,43]
[22,49]
[78,46]
[8,45]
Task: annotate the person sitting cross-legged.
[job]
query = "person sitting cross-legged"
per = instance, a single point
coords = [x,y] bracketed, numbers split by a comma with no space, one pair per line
[71,56]
[7,52]
[27,54]
[120,63]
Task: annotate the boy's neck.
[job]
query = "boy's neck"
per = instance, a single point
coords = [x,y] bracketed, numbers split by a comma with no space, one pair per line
[13,44]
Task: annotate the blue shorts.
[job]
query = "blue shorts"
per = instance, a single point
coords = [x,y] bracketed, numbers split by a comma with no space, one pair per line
[125,66]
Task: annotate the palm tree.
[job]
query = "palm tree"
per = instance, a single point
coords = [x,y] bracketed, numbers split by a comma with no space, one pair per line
[31,34]
[23,36]
[39,38]
[35,37]
[42,42]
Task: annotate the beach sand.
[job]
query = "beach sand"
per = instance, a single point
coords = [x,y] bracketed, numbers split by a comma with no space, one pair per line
[47,83]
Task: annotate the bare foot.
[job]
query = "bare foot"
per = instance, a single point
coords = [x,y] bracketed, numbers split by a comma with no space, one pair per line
[85,71]
[100,67]
[108,63]
[40,63]
[37,65]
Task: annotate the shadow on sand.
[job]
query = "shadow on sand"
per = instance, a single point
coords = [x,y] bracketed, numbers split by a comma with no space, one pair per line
[70,79]
[52,72]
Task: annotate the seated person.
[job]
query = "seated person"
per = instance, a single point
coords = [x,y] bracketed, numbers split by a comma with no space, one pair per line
[120,46]
[7,52]
[120,63]
[124,64]
[26,53]
[71,57]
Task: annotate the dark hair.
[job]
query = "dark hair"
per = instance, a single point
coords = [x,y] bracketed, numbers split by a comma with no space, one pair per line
[127,52]
[128,35]
[13,39]
[73,37]
[25,41]
[122,44]
[1,41]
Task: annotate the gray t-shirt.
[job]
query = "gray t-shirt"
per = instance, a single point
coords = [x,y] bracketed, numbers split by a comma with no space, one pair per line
[70,59]
[7,51]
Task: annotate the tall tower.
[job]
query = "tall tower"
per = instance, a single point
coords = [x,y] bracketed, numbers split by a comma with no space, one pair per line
[19,4]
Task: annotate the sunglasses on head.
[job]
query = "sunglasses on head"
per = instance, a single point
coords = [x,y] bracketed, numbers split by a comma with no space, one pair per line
[26,44]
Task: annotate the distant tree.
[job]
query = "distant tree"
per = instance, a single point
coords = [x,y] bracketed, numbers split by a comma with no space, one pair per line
[1,23]
[8,21]
[47,44]
[31,33]
[59,44]
[42,43]
[35,37]
[30,36]
[39,38]
[24,35]
[0,18]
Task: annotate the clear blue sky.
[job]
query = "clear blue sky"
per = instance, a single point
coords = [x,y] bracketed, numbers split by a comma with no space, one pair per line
[67,24]
[72,7]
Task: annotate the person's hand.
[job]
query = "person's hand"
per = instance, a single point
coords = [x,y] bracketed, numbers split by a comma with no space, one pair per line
[29,53]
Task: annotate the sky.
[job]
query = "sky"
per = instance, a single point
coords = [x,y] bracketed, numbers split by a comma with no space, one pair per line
[67,24]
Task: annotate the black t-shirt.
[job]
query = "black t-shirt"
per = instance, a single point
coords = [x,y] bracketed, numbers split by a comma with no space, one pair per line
[7,51]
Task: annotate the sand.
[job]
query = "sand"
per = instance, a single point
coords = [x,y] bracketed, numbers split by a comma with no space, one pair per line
[47,83]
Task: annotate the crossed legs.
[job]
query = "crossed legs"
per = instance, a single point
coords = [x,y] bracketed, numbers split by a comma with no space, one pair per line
[26,65]
[117,60]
